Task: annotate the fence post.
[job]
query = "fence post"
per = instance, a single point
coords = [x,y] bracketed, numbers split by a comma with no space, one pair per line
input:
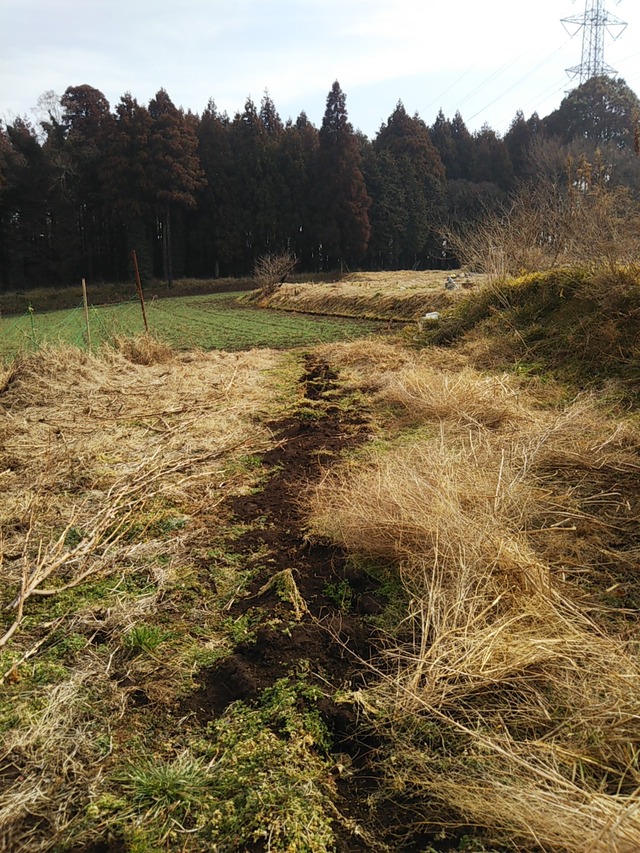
[139,289]
[86,312]
[31,311]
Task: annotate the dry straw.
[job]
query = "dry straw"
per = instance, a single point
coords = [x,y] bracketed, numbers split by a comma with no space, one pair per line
[97,453]
[531,706]
[400,296]
[53,760]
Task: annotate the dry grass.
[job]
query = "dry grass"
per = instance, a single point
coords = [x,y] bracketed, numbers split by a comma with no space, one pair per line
[510,699]
[55,757]
[472,399]
[92,444]
[402,295]
[580,220]
[92,418]
[112,468]
[144,349]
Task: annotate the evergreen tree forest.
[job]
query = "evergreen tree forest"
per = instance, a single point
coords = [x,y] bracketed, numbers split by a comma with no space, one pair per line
[206,195]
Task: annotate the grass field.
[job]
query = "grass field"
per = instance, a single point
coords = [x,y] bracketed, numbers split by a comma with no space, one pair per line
[214,321]
[377,594]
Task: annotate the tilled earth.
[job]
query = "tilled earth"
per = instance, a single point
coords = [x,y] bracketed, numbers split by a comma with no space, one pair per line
[333,639]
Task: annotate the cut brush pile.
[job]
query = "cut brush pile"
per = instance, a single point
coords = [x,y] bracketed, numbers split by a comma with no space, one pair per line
[508,700]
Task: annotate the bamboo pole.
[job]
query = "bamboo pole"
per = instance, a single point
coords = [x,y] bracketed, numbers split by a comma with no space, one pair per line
[139,289]
[86,312]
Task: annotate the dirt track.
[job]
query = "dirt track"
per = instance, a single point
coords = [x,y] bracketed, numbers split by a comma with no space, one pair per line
[332,640]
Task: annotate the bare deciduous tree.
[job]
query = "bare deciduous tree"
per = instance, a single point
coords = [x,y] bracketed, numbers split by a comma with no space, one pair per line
[579,219]
[272,270]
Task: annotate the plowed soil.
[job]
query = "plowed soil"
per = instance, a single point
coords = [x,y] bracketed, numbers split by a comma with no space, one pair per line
[336,641]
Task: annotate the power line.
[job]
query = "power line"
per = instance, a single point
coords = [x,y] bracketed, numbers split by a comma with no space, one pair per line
[518,82]
[491,77]
[449,88]
[550,90]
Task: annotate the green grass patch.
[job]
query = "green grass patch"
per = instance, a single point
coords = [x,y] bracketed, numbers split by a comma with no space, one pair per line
[258,775]
[213,321]
[143,638]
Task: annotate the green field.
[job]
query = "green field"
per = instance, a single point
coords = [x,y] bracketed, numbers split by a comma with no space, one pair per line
[215,321]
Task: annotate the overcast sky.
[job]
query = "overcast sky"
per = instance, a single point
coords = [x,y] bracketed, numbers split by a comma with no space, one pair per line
[486,58]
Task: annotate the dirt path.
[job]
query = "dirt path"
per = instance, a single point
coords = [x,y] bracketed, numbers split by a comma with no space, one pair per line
[327,638]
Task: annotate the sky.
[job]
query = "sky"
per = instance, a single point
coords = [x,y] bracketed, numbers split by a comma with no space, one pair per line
[485,58]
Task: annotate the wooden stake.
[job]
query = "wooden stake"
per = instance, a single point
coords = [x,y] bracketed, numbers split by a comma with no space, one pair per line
[86,312]
[139,289]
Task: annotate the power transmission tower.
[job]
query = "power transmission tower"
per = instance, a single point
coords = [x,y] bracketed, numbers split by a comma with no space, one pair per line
[594,23]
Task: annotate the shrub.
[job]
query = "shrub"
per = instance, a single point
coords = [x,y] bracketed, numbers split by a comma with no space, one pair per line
[582,220]
[272,270]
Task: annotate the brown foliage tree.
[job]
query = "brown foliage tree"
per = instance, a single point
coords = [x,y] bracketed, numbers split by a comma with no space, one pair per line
[176,173]
[341,194]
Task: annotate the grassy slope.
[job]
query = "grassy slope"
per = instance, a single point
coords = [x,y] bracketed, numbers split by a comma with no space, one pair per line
[396,296]
[580,325]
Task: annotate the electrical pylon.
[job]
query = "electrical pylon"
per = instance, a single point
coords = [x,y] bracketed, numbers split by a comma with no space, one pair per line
[594,23]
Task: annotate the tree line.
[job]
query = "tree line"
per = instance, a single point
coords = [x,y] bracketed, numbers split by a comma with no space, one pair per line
[206,195]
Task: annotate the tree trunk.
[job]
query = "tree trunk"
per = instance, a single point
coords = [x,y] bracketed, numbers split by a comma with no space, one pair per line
[167,245]
[138,239]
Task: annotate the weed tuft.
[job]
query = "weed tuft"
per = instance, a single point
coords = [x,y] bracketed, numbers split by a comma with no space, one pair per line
[166,794]
[144,638]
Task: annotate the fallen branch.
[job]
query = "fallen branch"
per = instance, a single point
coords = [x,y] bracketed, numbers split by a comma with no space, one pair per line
[32,651]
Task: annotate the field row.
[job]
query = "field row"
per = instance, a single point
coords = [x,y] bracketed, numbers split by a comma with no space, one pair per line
[216,321]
